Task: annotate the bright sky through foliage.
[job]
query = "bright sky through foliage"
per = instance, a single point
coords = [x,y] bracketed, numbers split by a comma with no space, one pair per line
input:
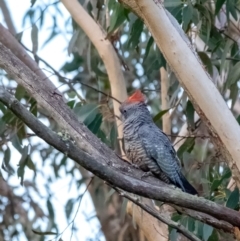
[55,53]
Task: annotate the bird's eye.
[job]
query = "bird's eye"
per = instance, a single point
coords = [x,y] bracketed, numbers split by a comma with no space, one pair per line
[125,111]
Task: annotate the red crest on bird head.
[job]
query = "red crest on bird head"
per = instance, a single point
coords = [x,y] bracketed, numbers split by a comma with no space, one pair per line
[137,96]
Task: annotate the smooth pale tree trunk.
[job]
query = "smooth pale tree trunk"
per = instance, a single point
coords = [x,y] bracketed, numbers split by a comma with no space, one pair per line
[178,50]
[113,68]
[106,52]
[205,97]
[164,83]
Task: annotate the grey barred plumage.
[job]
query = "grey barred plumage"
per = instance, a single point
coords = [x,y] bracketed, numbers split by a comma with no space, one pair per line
[147,146]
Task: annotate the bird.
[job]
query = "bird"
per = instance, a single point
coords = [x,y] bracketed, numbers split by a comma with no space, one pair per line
[147,146]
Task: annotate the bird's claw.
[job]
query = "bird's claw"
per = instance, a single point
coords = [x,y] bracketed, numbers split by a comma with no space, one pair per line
[135,166]
[146,174]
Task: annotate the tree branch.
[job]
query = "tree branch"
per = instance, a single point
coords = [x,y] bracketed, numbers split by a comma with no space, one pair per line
[179,54]
[88,151]
[7,17]
[88,162]
[106,52]
[158,216]
[205,218]
[8,40]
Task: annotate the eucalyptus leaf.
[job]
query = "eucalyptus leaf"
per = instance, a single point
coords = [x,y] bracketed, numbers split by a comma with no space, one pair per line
[118,16]
[22,164]
[216,183]
[233,200]
[187,16]
[199,226]
[44,233]
[149,44]
[123,209]
[174,235]
[6,161]
[95,124]
[219,4]
[73,41]
[214,236]
[190,115]
[228,45]
[50,209]
[69,208]
[186,146]
[109,194]
[71,103]
[135,34]
[160,114]
[234,75]
[207,231]
[33,2]
[16,143]
[191,224]
[206,61]
[18,36]
[230,9]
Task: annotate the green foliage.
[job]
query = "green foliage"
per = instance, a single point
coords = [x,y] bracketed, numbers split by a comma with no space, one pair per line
[159,115]
[119,15]
[206,61]
[135,34]
[123,209]
[6,161]
[207,231]
[233,200]
[44,233]
[33,2]
[87,92]
[217,182]
[187,146]
[24,161]
[187,16]
[219,4]
[190,115]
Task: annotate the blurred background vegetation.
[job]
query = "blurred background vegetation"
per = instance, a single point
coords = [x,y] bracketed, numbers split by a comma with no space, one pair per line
[31,204]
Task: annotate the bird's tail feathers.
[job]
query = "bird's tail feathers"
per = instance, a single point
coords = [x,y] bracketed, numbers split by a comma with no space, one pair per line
[187,187]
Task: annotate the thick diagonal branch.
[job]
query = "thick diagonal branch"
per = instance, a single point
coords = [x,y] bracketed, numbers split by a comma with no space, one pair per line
[191,74]
[106,52]
[92,154]
[128,180]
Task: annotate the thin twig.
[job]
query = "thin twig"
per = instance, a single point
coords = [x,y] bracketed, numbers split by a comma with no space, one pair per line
[102,162]
[80,200]
[99,91]
[157,215]
[72,222]
[184,137]
[64,79]
[175,108]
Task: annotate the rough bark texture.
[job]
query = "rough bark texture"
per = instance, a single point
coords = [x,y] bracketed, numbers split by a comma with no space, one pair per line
[105,50]
[175,47]
[118,90]
[89,152]
[56,97]
[105,210]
